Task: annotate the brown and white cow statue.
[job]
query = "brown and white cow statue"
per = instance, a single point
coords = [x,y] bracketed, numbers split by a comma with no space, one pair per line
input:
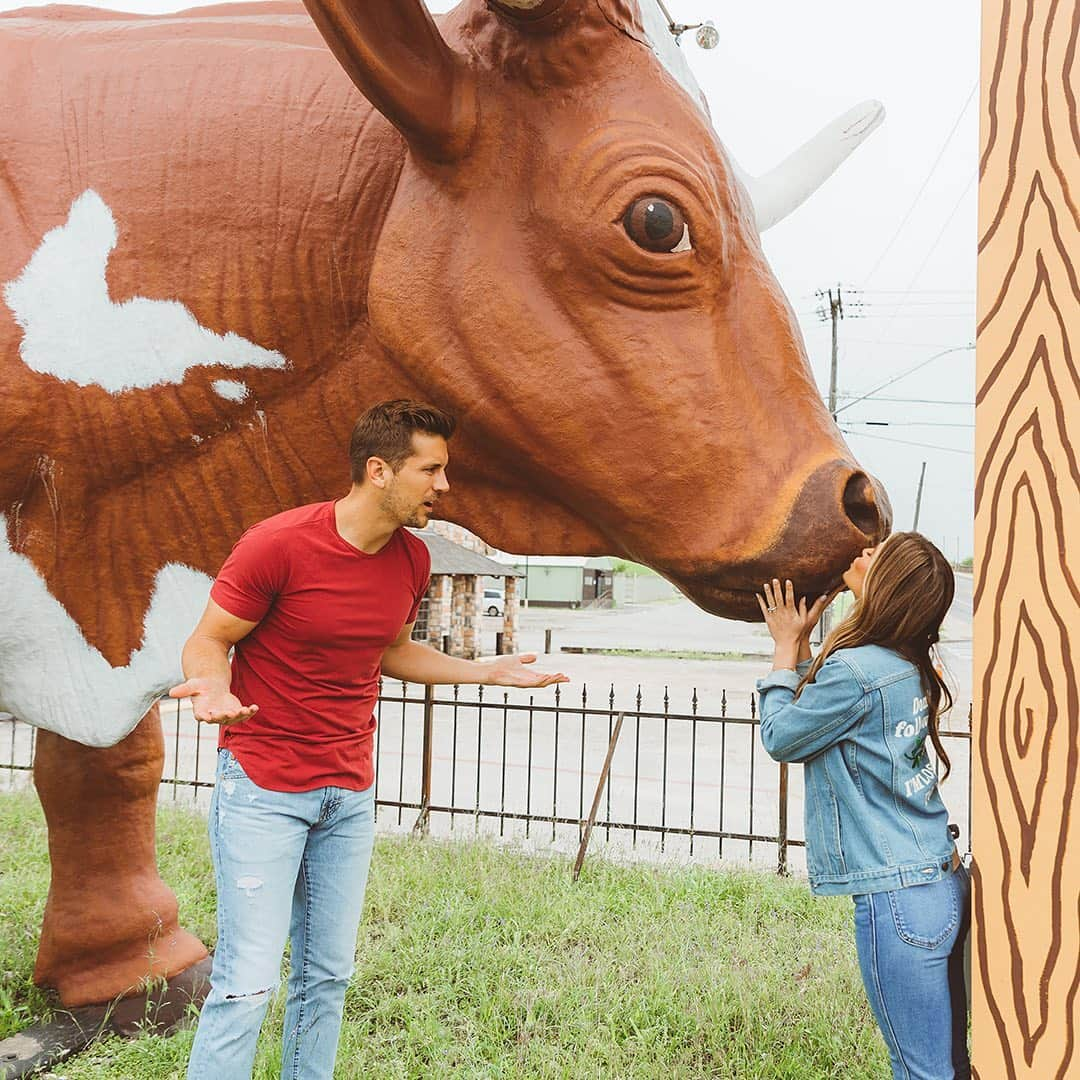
[222,240]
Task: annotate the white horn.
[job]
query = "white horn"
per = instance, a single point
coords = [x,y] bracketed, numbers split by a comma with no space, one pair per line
[795,179]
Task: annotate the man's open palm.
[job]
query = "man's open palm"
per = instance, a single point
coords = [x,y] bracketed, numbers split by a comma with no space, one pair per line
[512,671]
[211,704]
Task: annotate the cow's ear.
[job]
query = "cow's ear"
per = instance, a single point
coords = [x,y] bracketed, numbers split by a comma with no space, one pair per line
[394,53]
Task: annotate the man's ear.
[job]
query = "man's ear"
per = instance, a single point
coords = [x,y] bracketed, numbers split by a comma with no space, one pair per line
[378,471]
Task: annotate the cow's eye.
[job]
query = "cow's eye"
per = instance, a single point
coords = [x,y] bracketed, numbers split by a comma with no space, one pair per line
[657,225]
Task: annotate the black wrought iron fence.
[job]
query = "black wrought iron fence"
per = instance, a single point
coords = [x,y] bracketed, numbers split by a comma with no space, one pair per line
[684,783]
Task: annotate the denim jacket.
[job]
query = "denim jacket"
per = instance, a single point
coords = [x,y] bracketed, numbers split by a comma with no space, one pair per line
[874,818]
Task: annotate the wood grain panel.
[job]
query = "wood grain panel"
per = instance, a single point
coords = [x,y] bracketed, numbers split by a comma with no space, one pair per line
[1026,969]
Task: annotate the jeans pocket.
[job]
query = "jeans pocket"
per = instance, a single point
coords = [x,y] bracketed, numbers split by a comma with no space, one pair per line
[228,767]
[926,915]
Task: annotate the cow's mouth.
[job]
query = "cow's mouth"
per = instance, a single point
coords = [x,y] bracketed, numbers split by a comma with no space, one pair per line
[837,513]
[741,604]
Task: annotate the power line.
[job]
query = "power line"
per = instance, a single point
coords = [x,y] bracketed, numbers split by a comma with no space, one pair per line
[912,400]
[907,442]
[898,292]
[909,423]
[901,344]
[892,316]
[970,317]
[947,223]
[922,303]
[925,183]
[903,374]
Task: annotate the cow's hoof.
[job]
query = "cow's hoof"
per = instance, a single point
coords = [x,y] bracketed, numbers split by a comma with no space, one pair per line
[164,1007]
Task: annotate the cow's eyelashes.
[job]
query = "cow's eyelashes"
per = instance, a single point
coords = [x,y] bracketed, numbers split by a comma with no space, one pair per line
[657,224]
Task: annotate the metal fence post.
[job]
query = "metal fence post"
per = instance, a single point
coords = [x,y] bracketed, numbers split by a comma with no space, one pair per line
[18,741]
[422,820]
[782,830]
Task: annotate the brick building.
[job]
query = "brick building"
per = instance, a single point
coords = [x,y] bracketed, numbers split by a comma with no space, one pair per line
[451,614]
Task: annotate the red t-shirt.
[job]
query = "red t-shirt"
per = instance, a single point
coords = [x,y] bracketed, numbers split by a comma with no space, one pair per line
[326,611]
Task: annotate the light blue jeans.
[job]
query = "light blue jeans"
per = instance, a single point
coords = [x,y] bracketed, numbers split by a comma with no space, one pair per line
[911,954]
[287,864]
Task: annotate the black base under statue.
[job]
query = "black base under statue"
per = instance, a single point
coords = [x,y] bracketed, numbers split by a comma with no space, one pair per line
[163,1009]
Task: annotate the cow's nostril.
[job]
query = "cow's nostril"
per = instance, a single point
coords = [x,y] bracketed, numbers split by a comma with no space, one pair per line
[860,505]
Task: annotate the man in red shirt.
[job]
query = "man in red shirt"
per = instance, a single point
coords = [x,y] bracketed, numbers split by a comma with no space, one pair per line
[315,603]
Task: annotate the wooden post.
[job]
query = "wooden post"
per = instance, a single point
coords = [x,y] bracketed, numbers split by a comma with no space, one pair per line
[423,818]
[782,829]
[600,784]
[1026,730]
[918,498]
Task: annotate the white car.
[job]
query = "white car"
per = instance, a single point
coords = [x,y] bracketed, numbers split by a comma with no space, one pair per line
[494,602]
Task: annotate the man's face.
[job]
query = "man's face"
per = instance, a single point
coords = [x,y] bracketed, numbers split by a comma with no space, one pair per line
[412,491]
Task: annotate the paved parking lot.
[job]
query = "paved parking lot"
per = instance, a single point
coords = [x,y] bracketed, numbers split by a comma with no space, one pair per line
[679,625]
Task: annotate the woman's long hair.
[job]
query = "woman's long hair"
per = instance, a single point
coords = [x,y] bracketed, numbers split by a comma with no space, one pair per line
[906,593]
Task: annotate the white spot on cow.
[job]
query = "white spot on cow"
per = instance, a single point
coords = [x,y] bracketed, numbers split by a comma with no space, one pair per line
[74,331]
[230,389]
[249,885]
[669,52]
[196,439]
[50,676]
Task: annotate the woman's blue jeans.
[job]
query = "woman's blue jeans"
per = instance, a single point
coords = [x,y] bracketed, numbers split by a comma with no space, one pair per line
[911,953]
[287,864]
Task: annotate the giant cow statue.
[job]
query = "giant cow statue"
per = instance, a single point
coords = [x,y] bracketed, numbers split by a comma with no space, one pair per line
[222,240]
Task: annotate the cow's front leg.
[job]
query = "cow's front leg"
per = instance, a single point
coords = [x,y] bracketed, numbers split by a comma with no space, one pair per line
[110,921]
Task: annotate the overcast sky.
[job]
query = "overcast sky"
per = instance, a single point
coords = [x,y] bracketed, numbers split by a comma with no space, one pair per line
[896,225]
[897,221]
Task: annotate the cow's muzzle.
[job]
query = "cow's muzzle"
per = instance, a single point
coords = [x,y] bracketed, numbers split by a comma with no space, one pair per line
[838,512]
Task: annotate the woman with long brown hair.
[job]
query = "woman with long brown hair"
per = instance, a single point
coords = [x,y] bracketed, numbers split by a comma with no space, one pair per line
[858,718]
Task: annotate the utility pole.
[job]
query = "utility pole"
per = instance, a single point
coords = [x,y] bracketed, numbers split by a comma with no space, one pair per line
[918,498]
[834,313]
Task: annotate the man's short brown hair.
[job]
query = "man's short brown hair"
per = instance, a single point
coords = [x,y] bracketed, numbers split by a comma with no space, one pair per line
[386,430]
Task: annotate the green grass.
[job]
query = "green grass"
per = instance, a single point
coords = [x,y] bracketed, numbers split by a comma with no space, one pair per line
[478,962]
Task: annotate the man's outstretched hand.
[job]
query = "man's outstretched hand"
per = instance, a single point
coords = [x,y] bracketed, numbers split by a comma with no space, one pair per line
[512,671]
[212,704]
